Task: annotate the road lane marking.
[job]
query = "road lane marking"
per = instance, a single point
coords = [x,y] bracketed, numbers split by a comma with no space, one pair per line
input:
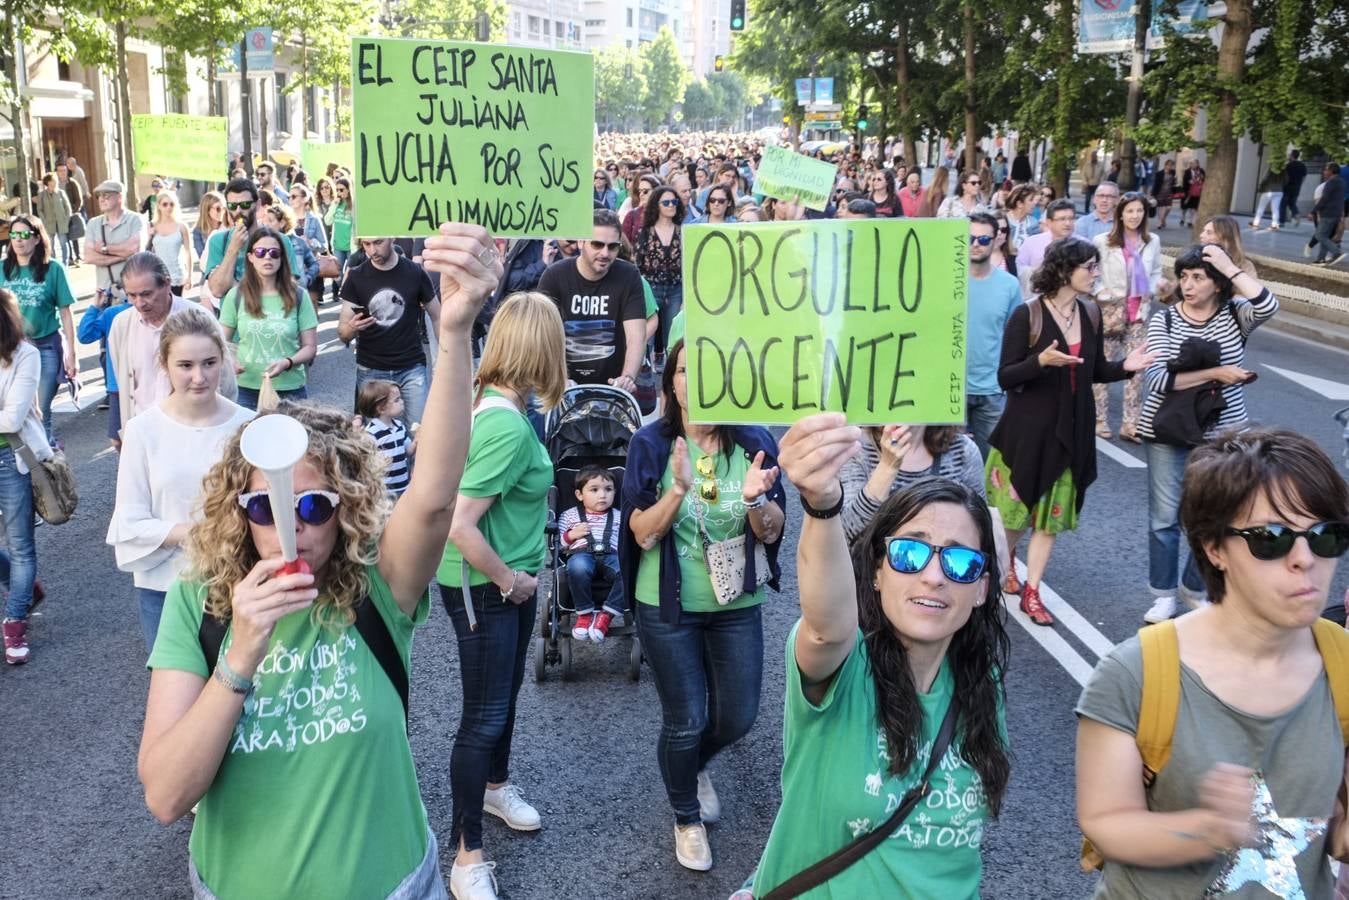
[1331,390]
[1051,641]
[1048,638]
[1128,460]
[1065,614]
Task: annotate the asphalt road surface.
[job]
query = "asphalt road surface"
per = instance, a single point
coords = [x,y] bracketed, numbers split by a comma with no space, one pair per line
[73,821]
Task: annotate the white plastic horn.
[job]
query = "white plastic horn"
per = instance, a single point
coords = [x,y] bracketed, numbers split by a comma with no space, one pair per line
[273,445]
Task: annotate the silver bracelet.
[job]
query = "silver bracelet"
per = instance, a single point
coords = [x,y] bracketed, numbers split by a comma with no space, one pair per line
[515,579]
[755,503]
[231,679]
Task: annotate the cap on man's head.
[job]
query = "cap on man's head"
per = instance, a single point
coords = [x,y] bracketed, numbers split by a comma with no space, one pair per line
[110,187]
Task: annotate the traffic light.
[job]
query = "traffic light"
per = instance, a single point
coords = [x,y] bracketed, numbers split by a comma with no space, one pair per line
[737,15]
[719,63]
[482,27]
[862,117]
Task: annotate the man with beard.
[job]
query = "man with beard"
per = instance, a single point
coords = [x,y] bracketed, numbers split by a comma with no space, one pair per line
[225,247]
[382,303]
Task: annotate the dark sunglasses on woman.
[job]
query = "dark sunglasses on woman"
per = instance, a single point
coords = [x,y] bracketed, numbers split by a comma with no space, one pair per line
[1327,540]
[311,507]
[909,556]
[265,252]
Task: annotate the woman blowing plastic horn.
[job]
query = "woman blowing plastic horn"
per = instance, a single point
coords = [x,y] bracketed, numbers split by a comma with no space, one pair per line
[294,742]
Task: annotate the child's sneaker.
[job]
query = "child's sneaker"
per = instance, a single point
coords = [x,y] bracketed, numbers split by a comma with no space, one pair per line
[581,631]
[600,629]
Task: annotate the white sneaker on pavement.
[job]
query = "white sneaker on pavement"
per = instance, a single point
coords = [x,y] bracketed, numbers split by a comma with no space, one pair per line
[1162,609]
[691,847]
[709,804]
[475,882]
[507,804]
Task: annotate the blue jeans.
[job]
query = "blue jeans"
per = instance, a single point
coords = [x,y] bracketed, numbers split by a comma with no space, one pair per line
[669,301]
[248,397]
[982,413]
[63,242]
[491,668]
[584,571]
[707,670]
[411,383]
[151,605]
[18,566]
[49,382]
[1166,477]
[1325,229]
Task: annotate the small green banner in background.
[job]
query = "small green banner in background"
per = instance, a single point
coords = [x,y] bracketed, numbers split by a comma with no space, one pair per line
[788,176]
[191,147]
[315,156]
[861,316]
[485,133]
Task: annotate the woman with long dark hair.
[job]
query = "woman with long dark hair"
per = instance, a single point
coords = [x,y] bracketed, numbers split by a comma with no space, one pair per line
[20,368]
[969,199]
[1044,449]
[935,194]
[898,632]
[642,186]
[276,323]
[659,254]
[604,194]
[42,290]
[881,191]
[720,207]
[689,487]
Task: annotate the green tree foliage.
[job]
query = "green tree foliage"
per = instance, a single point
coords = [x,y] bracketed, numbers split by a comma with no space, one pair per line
[666,77]
[620,88]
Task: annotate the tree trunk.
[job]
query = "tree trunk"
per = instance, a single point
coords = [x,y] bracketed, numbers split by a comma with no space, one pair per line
[906,129]
[16,108]
[1133,107]
[1056,171]
[124,120]
[212,108]
[1221,171]
[971,124]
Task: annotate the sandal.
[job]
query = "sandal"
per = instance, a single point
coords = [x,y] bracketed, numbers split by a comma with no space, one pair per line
[1103,432]
[1129,434]
[1010,583]
[1033,608]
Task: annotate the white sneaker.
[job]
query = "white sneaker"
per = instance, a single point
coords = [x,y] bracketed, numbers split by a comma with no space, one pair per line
[509,806]
[709,804]
[1307,251]
[475,882]
[691,847]
[1162,609]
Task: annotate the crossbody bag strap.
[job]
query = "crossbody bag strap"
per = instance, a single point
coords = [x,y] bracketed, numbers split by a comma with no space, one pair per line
[849,854]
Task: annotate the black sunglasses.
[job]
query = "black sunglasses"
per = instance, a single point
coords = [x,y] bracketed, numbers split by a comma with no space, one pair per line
[612,246]
[311,507]
[909,556]
[264,252]
[236,205]
[1327,540]
[983,240]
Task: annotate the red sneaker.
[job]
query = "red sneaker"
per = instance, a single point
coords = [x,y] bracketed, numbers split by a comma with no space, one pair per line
[1033,608]
[16,641]
[581,631]
[600,630]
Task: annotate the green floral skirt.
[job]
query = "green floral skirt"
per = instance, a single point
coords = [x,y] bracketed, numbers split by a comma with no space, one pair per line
[1053,513]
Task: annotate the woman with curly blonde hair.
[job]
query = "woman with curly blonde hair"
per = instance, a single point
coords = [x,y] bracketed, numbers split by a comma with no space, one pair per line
[292,743]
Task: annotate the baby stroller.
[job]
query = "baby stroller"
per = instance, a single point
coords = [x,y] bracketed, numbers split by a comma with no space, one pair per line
[593,425]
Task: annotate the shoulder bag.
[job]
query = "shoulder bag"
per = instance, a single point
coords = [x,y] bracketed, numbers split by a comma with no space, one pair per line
[54,494]
[845,856]
[725,561]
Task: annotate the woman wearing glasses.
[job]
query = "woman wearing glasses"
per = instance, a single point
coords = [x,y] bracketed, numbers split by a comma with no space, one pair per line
[658,251]
[166,451]
[275,323]
[881,191]
[171,241]
[604,191]
[720,207]
[294,745]
[966,201]
[688,488]
[642,187]
[898,632]
[1247,803]
[1044,451]
[1219,306]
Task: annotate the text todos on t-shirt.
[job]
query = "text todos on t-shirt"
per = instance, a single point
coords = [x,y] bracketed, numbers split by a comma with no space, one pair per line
[489,134]
[863,316]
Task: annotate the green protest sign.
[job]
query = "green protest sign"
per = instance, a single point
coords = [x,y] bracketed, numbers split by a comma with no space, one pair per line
[315,156]
[860,316]
[192,147]
[484,133]
[787,175]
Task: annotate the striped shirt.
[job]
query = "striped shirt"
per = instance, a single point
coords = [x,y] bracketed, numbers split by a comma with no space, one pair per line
[961,462]
[1229,328]
[392,441]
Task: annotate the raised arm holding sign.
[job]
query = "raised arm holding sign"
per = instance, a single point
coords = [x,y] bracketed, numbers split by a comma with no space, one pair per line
[795,176]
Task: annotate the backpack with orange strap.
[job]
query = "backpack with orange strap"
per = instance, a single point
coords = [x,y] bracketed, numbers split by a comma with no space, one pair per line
[1161,698]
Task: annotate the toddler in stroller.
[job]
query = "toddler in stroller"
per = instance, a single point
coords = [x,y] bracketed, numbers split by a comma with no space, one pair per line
[590,542]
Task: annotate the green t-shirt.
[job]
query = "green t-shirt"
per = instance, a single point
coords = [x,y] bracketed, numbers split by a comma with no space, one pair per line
[934,855]
[723,520]
[317,795]
[676,331]
[649,297]
[505,461]
[263,340]
[342,228]
[39,300]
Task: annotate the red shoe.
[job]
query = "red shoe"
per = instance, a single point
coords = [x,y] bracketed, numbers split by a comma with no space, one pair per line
[1010,583]
[1033,608]
[600,630]
[16,641]
[581,630]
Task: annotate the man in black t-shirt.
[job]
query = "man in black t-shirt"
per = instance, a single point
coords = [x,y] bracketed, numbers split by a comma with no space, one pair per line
[382,304]
[603,310]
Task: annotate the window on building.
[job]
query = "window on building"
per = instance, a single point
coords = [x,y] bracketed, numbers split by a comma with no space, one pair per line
[313,124]
[516,19]
[63,70]
[282,101]
[629,43]
[629,16]
[534,26]
[559,29]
